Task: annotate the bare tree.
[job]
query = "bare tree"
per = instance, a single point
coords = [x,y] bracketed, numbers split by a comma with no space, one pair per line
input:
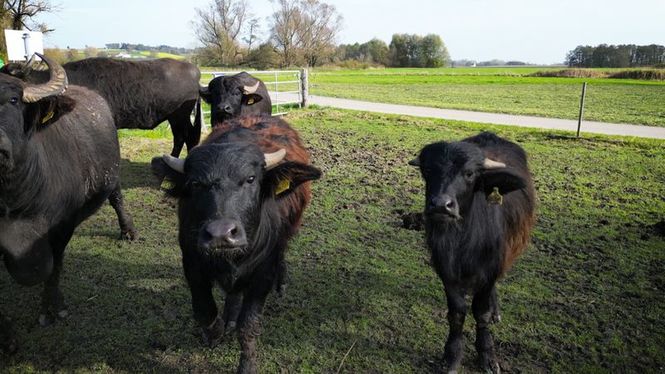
[304,31]
[320,26]
[286,30]
[22,13]
[252,30]
[219,26]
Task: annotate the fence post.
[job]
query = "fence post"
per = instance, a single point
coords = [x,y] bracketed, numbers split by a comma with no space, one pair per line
[304,87]
[579,121]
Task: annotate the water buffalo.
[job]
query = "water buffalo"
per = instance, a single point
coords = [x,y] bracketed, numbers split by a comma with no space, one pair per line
[241,196]
[141,94]
[59,161]
[234,96]
[479,212]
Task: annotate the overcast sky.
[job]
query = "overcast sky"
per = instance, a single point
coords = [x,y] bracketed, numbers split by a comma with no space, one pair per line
[537,31]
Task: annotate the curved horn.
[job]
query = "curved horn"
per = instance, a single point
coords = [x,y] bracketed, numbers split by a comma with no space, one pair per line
[250,89]
[491,164]
[203,89]
[273,158]
[56,85]
[415,162]
[174,163]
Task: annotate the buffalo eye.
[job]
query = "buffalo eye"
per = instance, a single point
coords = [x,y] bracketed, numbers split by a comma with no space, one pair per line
[251,179]
[13,100]
[196,184]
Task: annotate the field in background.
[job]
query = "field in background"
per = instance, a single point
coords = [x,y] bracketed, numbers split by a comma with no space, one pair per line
[500,90]
[588,295]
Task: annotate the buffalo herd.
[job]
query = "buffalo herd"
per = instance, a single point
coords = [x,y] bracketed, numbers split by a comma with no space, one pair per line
[241,193]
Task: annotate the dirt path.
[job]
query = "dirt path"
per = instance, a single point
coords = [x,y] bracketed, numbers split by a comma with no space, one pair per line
[495,118]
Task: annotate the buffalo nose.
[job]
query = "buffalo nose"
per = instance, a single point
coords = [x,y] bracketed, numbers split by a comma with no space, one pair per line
[228,109]
[226,232]
[446,203]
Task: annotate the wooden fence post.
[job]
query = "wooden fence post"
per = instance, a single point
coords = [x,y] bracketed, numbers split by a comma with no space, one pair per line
[579,121]
[304,87]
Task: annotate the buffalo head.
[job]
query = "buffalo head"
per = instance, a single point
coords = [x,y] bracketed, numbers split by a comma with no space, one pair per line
[24,108]
[227,194]
[455,172]
[235,95]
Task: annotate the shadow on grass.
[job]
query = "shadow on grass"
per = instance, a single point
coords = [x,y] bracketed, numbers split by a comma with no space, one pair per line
[131,316]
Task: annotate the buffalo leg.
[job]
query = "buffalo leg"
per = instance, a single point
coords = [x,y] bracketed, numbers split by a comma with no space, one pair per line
[178,130]
[456,314]
[496,314]
[53,302]
[250,326]
[203,305]
[8,342]
[482,312]
[127,230]
[232,306]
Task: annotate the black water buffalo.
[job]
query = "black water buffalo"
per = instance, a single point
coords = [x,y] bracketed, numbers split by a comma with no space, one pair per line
[59,161]
[235,96]
[241,198]
[141,94]
[479,212]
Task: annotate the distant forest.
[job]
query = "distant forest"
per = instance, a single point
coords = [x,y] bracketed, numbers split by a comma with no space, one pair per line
[617,56]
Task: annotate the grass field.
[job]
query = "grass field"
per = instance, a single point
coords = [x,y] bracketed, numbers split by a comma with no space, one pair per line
[588,295]
[500,90]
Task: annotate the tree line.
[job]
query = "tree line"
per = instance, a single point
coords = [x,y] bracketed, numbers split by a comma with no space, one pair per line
[616,56]
[300,33]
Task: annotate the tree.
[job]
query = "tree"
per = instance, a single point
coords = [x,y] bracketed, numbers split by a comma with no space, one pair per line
[252,30]
[432,52]
[263,57]
[304,31]
[22,14]
[219,26]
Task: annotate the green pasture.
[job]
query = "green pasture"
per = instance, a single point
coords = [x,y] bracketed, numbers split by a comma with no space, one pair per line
[588,295]
[500,90]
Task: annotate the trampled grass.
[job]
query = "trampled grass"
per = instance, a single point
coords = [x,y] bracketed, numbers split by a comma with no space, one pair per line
[588,295]
[501,90]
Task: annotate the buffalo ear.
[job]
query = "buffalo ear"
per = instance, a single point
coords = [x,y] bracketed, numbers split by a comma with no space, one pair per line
[251,99]
[204,92]
[47,111]
[506,179]
[164,173]
[283,179]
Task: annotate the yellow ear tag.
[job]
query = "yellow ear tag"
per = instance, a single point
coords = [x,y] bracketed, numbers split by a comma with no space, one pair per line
[250,101]
[495,197]
[283,185]
[47,117]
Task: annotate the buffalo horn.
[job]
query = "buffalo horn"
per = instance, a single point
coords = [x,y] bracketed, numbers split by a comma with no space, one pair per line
[274,158]
[174,163]
[251,89]
[415,162]
[203,89]
[491,164]
[56,85]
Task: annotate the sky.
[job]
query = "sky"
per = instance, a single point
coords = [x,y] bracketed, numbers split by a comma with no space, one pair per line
[535,31]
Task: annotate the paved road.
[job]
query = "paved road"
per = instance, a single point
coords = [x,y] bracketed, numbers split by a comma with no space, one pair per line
[495,118]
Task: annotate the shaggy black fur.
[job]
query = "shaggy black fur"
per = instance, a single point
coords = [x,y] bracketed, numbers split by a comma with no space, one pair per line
[474,234]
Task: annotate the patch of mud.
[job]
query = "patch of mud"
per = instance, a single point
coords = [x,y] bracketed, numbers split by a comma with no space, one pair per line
[411,221]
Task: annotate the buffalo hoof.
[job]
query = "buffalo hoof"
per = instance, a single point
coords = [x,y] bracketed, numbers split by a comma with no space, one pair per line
[495,318]
[488,362]
[48,319]
[129,235]
[8,343]
[230,327]
[213,334]
[452,356]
